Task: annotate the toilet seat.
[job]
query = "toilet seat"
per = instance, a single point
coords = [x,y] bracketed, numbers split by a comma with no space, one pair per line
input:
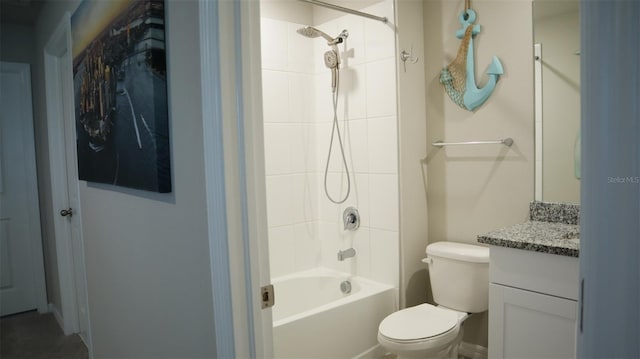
[423,327]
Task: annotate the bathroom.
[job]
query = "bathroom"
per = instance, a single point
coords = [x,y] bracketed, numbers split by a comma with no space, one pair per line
[378,158]
[193,265]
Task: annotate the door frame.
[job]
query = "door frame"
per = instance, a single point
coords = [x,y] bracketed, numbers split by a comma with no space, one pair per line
[235,175]
[58,86]
[33,205]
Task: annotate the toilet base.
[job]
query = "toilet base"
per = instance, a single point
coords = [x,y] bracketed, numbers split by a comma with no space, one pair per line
[449,352]
[443,354]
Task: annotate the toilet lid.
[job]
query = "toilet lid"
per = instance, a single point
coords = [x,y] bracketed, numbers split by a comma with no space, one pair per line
[419,322]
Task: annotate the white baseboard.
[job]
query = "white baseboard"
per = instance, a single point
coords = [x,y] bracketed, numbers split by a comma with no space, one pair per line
[57,315]
[473,351]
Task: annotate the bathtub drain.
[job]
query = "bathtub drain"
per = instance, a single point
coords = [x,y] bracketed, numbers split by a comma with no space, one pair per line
[345,287]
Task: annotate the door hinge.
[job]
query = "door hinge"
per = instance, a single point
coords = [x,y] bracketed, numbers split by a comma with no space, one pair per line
[268,296]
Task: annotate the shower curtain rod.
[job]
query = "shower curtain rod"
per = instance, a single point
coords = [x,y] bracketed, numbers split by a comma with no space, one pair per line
[344,9]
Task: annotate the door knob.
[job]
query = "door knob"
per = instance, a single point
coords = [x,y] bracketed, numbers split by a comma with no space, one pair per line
[66,212]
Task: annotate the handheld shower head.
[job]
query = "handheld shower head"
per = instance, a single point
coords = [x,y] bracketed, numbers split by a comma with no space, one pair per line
[331,57]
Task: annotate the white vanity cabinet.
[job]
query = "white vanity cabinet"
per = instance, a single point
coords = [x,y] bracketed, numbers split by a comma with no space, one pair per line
[533,307]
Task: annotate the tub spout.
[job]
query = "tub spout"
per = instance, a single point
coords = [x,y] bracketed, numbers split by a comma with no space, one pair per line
[347,253]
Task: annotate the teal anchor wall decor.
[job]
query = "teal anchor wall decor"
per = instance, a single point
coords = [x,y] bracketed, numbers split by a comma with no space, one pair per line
[459,77]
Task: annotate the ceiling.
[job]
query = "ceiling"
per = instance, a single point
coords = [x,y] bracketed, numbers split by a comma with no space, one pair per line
[20,12]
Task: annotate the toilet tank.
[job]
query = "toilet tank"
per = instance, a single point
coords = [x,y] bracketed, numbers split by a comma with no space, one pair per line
[459,274]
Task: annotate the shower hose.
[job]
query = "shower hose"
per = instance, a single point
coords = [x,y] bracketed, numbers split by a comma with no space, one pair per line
[335,128]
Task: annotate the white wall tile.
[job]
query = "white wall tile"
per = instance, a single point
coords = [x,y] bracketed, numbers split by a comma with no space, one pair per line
[275,96]
[381,88]
[322,133]
[323,103]
[379,37]
[337,188]
[303,196]
[323,138]
[303,148]
[300,97]
[307,246]
[385,256]
[352,100]
[298,49]
[356,146]
[327,211]
[383,201]
[281,250]
[354,141]
[317,56]
[331,242]
[383,8]
[358,198]
[299,149]
[383,151]
[362,245]
[354,53]
[273,44]
[277,148]
[279,200]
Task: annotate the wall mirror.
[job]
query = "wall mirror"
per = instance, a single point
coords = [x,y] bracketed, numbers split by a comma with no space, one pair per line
[557,100]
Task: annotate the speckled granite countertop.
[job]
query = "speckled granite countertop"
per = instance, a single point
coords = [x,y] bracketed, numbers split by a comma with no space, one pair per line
[540,234]
[547,237]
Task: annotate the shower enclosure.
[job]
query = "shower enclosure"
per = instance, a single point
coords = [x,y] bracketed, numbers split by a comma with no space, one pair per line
[327,307]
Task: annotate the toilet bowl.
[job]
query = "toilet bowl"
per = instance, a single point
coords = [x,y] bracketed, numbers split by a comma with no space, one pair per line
[460,285]
[423,331]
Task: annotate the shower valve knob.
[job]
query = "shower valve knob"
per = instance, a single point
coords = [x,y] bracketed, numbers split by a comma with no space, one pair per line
[351,219]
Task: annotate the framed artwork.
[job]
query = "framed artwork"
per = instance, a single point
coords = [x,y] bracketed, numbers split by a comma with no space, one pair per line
[120,93]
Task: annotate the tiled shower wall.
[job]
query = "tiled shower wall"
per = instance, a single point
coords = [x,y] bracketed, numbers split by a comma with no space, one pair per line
[305,228]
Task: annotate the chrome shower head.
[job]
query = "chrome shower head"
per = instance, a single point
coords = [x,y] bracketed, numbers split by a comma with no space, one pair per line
[312,32]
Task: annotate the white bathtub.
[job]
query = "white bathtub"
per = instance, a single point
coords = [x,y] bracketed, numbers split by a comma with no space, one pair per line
[313,319]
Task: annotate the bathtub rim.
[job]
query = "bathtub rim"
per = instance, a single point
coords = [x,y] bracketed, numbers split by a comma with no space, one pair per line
[367,286]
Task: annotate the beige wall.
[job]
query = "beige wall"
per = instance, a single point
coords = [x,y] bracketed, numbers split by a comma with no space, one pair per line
[472,190]
[147,255]
[412,148]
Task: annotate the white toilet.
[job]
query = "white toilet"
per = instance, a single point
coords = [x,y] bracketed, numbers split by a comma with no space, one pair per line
[459,274]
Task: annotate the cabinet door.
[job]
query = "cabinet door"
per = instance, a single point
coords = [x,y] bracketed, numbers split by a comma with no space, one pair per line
[524,324]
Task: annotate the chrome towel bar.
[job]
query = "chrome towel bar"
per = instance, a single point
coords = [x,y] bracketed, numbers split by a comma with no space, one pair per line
[507,142]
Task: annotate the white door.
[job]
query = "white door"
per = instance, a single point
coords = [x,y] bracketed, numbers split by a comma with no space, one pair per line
[21,263]
[64,182]
[70,204]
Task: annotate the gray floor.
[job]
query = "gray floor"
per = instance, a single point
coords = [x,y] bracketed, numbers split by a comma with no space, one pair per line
[32,335]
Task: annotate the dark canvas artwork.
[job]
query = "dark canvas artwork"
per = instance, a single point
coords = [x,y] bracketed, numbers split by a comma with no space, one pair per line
[120,92]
